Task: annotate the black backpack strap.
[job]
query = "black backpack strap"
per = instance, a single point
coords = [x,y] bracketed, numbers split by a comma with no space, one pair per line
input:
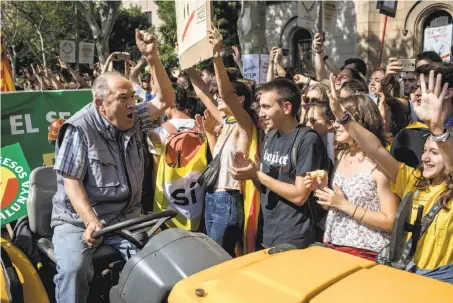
[301,132]
[426,222]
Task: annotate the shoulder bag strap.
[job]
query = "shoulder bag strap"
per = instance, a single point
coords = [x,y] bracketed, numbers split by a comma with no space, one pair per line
[169,127]
[226,139]
[426,222]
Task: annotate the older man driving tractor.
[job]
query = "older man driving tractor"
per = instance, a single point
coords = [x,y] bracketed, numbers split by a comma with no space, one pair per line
[99,167]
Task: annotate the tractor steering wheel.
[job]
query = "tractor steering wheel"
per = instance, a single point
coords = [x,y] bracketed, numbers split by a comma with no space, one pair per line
[121,228]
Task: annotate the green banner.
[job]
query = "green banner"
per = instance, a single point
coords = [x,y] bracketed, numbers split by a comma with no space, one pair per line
[14,183]
[26,117]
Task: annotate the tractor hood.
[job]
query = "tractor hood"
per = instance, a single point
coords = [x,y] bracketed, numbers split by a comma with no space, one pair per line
[316,274]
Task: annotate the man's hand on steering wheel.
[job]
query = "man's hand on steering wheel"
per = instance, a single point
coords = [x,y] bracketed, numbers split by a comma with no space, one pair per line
[92,226]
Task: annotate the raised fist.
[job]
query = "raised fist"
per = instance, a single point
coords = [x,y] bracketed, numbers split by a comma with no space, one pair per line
[147,44]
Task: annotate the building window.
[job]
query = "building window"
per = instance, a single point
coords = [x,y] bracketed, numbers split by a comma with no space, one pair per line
[437,19]
[302,42]
[150,17]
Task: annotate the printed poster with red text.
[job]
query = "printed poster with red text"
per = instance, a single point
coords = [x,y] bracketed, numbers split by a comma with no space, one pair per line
[193,19]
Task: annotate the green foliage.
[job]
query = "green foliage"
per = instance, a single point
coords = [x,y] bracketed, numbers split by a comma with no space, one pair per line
[168,35]
[123,33]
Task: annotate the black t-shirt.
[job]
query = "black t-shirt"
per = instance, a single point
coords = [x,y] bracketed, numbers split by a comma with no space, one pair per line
[283,221]
[407,147]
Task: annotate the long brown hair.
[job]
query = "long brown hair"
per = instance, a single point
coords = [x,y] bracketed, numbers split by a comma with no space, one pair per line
[423,183]
[366,113]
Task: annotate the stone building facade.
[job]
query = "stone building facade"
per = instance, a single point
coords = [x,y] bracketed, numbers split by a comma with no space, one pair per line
[358,29]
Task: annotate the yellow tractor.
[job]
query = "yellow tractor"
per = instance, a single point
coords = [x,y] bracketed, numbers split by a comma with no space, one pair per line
[179,266]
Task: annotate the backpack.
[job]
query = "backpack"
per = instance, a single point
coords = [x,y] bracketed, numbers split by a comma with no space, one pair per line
[182,161]
[316,211]
[181,145]
[25,240]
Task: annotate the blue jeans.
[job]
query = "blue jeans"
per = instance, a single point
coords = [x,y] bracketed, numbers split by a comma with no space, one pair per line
[224,218]
[74,262]
[441,273]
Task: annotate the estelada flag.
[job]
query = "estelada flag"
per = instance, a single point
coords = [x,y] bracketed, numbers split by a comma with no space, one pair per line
[6,76]
[251,204]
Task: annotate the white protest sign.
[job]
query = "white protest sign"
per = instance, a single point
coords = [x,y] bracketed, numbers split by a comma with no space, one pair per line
[68,51]
[439,39]
[264,65]
[251,67]
[193,19]
[307,14]
[86,52]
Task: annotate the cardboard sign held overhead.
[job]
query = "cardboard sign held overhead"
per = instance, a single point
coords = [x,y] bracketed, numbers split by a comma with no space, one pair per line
[193,19]
[68,51]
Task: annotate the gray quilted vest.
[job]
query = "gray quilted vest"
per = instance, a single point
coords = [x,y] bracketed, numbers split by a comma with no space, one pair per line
[111,155]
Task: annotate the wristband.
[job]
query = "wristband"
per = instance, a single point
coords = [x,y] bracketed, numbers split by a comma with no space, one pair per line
[442,138]
[345,119]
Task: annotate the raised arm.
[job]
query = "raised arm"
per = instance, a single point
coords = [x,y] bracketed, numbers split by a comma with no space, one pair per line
[79,79]
[281,72]
[147,44]
[320,68]
[57,84]
[270,69]
[429,110]
[226,89]
[202,92]
[365,139]
[133,76]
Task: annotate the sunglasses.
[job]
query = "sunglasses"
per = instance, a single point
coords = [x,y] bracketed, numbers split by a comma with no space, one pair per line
[311,100]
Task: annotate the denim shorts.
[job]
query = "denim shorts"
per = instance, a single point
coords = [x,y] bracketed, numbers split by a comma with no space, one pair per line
[441,273]
[224,218]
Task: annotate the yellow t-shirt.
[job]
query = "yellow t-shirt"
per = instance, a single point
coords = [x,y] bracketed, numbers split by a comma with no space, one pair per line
[435,248]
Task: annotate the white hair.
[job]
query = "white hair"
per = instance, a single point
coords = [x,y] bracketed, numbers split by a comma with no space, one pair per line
[100,85]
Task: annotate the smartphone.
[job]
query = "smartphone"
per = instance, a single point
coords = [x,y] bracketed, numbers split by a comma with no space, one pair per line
[285,52]
[323,36]
[408,65]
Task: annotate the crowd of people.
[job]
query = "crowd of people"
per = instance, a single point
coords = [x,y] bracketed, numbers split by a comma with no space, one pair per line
[331,155]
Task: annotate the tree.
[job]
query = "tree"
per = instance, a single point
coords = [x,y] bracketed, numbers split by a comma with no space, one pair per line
[252,27]
[167,33]
[101,25]
[32,30]
[123,32]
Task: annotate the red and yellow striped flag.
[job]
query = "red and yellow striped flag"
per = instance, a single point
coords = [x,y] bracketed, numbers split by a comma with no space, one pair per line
[6,76]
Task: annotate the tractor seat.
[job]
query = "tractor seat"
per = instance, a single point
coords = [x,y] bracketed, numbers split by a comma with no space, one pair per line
[43,186]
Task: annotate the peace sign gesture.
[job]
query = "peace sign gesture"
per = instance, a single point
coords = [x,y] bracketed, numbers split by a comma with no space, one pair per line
[429,110]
